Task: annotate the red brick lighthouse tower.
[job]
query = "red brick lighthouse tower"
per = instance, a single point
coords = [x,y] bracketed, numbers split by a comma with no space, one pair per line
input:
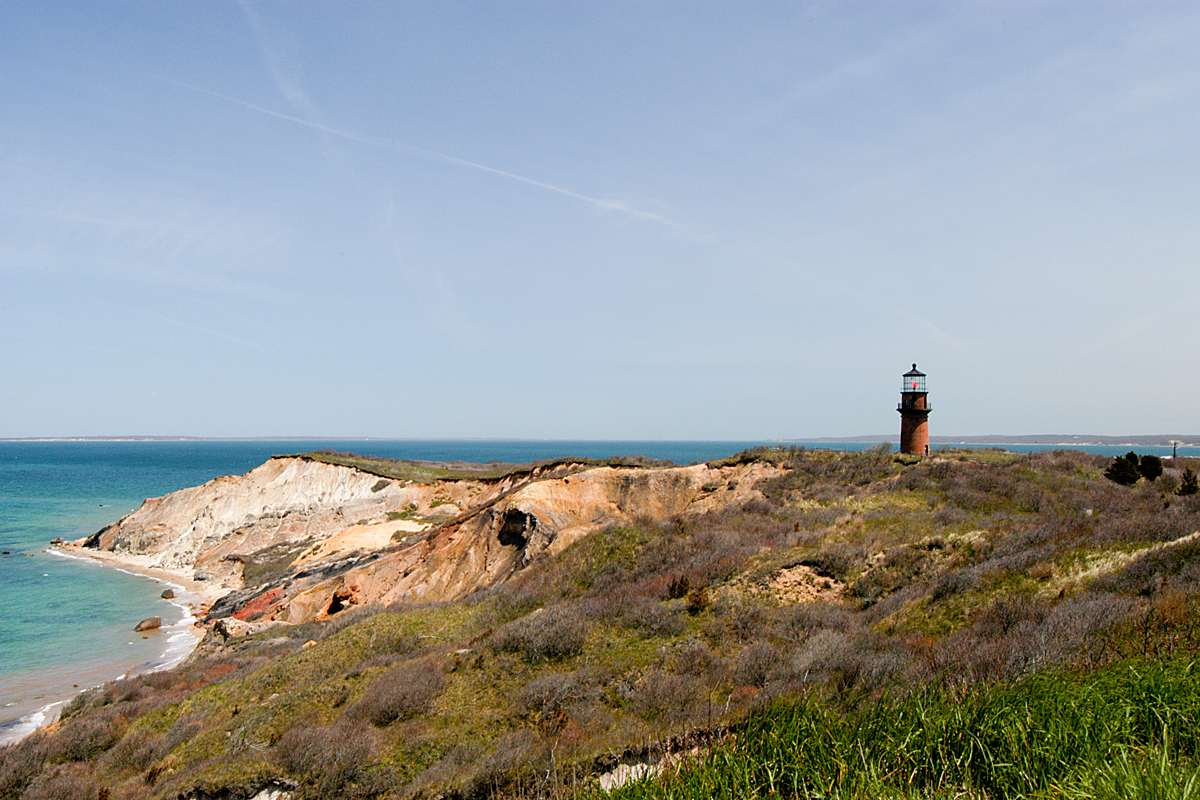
[914,414]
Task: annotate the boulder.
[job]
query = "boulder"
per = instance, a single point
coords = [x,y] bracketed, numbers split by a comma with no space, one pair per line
[149,624]
[231,627]
[168,594]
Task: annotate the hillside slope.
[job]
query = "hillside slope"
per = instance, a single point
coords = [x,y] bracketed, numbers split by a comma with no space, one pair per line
[642,616]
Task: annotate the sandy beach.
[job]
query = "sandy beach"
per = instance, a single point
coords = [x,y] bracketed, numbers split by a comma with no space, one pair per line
[44,691]
[202,593]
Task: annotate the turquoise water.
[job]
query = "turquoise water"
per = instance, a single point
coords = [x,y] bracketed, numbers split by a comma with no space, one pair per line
[67,624]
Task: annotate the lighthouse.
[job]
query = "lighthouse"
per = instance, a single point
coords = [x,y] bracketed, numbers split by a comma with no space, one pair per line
[914,413]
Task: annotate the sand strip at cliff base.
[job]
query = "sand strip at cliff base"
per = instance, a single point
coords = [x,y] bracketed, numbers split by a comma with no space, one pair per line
[205,593]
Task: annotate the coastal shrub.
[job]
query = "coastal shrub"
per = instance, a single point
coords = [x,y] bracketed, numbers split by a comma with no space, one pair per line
[21,762]
[1150,467]
[184,730]
[547,634]
[694,657]
[85,737]
[756,663]
[550,693]
[796,623]
[330,760]
[401,692]
[136,751]
[1188,484]
[665,697]
[351,616]
[641,614]
[1124,469]
[63,782]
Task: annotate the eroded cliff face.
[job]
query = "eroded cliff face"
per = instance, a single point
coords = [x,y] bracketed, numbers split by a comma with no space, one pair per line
[296,539]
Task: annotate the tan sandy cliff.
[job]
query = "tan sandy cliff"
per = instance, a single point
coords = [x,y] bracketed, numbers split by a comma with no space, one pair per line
[298,539]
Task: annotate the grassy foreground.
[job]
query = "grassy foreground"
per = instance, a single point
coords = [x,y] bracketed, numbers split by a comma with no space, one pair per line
[1127,731]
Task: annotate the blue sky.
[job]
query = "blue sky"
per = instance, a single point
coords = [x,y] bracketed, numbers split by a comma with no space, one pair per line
[586,220]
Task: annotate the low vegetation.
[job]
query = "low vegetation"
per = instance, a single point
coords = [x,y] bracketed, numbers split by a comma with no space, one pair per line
[1127,730]
[435,471]
[976,624]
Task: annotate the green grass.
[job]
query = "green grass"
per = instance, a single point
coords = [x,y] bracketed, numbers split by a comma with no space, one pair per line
[1126,731]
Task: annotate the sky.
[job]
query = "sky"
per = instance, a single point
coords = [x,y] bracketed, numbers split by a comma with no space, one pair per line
[583,220]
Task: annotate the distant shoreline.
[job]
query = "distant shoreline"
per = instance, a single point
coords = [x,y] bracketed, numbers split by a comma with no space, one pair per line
[1053,440]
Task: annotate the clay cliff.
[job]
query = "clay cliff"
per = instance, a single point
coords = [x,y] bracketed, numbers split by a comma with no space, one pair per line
[298,538]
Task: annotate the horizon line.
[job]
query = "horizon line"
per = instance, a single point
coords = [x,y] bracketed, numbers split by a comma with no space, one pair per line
[1053,438]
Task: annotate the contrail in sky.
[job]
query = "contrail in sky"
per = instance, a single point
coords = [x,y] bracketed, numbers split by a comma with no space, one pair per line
[197,328]
[401,147]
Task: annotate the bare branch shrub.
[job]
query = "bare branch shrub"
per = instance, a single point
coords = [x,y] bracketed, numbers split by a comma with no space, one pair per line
[757,506]
[899,567]
[21,762]
[756,664]
[85,737]
[403,691]
[956,582]
[137,750]
[515,753]
[745,619]
[835,560]
[1006,612]
[63,782]
[665,697]
[694,657]
[655,618]
[329,760]
[817,656]
[548,634]
[798,622]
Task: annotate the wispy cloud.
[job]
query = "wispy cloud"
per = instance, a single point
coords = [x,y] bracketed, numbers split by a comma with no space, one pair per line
[199,329]
[285,81]
[404,148]
[60,223]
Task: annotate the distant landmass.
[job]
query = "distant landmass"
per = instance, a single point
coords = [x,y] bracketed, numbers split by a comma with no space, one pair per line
[1062,439]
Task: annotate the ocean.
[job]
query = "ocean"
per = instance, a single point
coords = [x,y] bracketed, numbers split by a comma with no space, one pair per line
[67,624]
